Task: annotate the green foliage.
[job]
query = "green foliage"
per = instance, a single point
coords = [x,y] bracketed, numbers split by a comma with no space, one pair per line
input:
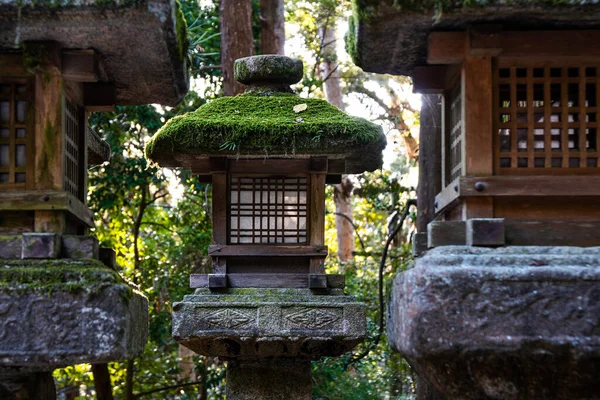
[261,124]
[204,38]
[381,373]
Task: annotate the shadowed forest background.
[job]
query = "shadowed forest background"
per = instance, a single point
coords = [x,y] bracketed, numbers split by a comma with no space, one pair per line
[158,220]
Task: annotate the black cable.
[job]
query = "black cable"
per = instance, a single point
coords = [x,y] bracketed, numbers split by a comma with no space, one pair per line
[391,236]
[362,244]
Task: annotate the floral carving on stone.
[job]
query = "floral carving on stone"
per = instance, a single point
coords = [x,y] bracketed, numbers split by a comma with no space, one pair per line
[311,318]
[229,318]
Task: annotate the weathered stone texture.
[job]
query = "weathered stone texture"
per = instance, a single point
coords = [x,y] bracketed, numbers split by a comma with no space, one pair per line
[79,247]
[255,323]
[269,380]
[40,245]
[10,246]
[268,68]
[509,323]
[52,330]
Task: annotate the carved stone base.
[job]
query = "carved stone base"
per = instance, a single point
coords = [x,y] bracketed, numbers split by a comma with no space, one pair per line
[269,380]
[55,313]
[506,323]
[260,323]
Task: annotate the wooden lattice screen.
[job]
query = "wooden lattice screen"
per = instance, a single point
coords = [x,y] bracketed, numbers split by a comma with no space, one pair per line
[14,133]
[454,135]
[72,139]
[268,210]
[546,116]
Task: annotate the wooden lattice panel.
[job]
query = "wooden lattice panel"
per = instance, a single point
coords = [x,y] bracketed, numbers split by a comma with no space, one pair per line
[455,135]
[546,116]
[72,136]
[14,133]
[268,210]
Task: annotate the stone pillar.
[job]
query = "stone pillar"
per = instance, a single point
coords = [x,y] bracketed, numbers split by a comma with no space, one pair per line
[274,379]
[516,322]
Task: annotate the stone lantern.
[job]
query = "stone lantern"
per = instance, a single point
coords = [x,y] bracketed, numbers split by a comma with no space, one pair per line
[268,307]
[61,300]
[504,304]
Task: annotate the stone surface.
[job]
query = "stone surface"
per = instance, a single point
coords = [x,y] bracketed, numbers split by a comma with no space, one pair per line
[485,232]
[10,246]
[506,323]
[259,323]
[40,245]
[79,247]
[137,42]
[57,313]
[268,69]
[269,380]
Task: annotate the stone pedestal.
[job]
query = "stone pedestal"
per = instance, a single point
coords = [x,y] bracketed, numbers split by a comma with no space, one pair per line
[506,323]
[269,336]
[55,313]
[274,379]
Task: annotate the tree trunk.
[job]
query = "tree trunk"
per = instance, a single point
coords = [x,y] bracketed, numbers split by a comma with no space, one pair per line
[333,91]
[129,380]
[329,67]
[102,382]
[236,39]
[186,364]
[272,23]
[342,197]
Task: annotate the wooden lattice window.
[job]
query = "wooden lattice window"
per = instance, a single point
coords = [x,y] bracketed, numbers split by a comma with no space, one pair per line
[14,133]
[268,210]
[454,135]
[546,116]
[72,132]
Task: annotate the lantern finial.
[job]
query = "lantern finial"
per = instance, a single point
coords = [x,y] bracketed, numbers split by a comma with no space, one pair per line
[271,71]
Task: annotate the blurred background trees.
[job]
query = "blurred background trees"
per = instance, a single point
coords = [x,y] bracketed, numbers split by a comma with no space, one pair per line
[158,220]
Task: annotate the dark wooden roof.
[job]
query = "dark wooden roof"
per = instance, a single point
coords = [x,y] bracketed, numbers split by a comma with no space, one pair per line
[139,49]
[385,37]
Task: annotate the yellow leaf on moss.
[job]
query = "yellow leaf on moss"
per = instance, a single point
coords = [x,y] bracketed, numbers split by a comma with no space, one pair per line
[300,107]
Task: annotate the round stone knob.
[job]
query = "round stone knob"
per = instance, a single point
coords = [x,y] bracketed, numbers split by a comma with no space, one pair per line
[269,69]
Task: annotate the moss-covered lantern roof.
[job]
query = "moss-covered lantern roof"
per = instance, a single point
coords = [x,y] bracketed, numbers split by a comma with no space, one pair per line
[268,121]
[390,36]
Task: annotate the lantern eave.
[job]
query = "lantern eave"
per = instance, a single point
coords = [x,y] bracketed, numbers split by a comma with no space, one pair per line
[271,126]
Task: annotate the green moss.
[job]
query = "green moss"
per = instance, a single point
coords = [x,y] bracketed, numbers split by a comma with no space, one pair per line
[264,124]
[181,29]
[48,276]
